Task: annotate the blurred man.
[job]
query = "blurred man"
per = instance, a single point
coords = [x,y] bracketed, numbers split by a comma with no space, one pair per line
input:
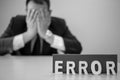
[38,33]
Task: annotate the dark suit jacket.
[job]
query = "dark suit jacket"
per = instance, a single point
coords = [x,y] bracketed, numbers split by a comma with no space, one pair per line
[18,26]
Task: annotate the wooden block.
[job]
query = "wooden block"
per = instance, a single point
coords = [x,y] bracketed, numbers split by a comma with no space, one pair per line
[84,64]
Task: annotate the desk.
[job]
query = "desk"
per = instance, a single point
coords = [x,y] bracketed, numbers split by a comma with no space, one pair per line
[39,68]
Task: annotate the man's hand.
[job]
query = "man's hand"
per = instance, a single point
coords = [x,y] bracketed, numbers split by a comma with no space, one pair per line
[43,22]
[31,21]
[31,25]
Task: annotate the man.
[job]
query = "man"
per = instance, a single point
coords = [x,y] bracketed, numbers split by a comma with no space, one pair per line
[38,33]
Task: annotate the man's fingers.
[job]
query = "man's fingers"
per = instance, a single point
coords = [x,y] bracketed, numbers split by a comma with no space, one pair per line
[28,14]
[44,17]
[40,16]
[38,23]
[35,16]
[32,12]
[47,16]
[46,13]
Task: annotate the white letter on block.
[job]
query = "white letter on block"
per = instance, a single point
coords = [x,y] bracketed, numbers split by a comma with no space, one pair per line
[84,68]
[57,67]
[70,67]
[108,67]
[93,67]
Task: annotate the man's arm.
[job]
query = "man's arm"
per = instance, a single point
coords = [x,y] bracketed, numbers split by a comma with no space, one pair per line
[6,39]
[10,42]
[66,41]
[71,43]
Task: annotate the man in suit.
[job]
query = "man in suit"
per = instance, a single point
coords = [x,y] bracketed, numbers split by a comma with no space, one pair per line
[38,33]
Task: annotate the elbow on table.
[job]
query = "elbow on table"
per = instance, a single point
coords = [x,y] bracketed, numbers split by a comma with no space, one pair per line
[76,49]
[2,53]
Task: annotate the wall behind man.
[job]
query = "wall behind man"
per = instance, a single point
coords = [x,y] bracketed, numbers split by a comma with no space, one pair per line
[96,23]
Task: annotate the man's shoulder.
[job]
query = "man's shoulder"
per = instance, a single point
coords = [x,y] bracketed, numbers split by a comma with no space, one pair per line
[18,24]
[58,25]
[57,20]
[20,17]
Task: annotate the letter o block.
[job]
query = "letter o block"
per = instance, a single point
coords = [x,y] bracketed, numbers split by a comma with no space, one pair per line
[93,69]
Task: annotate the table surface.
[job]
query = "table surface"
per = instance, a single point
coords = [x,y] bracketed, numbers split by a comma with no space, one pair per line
[39,68]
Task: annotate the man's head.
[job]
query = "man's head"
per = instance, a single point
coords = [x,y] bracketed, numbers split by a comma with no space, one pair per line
[37,4]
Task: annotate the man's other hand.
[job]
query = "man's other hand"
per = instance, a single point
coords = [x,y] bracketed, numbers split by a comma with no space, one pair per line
[43,22]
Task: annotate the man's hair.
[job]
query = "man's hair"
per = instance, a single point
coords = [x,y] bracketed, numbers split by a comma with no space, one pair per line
[39,2]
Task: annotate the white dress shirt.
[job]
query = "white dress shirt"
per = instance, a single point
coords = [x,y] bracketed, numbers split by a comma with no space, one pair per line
[58,43]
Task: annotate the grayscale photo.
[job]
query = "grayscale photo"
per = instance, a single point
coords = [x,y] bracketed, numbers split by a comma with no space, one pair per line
[59,39]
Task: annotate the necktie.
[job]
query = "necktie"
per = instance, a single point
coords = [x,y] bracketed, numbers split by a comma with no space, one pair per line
[37,46]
